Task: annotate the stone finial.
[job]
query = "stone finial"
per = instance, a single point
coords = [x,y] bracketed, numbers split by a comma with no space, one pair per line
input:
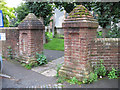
[79,12]
[80,15]
[31,22]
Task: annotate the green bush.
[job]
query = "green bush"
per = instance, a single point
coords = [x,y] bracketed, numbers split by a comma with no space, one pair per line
[48,36]
[112,74]
[41,59]
[73,80]
[28,66]
[118,73]
[59,36]
[60,79]
[99,34]
[92,77]
[100,69]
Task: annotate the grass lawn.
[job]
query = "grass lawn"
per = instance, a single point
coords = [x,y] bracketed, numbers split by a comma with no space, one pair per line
[55,44]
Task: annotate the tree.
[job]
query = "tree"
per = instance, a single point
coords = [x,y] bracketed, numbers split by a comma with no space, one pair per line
[40,9]
[21,11]
[107,12]
[7,12]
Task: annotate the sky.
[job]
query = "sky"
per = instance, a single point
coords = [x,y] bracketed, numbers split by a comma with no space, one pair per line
[13,3]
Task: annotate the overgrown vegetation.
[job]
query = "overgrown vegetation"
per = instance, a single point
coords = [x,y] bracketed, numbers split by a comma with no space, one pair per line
[8,13]
[60,36]
[112,74]
[40,60]
[100,69]
[9,51]
[92,78]
[58,68]
[48,36]
[99,72]
[55,44]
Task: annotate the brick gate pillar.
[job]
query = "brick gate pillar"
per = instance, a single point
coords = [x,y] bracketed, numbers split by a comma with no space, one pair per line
[30,36]
[79,31]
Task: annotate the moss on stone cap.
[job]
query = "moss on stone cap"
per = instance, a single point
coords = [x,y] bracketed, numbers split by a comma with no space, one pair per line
[79,12]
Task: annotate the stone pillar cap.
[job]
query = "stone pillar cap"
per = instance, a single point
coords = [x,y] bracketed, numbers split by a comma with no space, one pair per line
[31,22]
[80,17]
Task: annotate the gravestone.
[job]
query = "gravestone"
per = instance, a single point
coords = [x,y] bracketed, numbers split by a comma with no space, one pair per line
[30,36]
[79,32]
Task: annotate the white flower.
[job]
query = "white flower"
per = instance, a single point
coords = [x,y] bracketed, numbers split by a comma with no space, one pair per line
[100,76]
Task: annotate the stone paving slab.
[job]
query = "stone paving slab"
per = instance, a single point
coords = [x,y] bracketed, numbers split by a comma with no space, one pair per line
[50,68]
[49,73]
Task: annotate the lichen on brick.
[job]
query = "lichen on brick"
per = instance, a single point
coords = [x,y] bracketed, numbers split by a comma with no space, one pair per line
[79,12]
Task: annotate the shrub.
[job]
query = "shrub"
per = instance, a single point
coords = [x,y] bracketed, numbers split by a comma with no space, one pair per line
[112,74]
[59,36]
[48,36]
[41,59]
[118,73]
[73,80]
[60,79]
[28,66]
[100,69]
[92,77]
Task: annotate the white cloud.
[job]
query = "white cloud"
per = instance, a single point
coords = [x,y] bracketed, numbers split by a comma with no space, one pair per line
[13,3]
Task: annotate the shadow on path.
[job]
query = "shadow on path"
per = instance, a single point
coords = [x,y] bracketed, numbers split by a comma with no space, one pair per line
[53,54]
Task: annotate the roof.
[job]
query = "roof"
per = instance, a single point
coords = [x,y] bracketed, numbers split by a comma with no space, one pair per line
[31,22]
[79,12]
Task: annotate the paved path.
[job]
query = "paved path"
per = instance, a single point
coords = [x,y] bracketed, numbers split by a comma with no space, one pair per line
[22,78]
[43,77]
[53,54]
[50,68]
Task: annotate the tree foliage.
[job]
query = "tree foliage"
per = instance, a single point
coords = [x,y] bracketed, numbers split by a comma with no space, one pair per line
[21,11]
[40,9]
[107,12]
[7,12]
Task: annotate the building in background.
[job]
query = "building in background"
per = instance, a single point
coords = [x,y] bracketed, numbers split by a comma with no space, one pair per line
[58,19]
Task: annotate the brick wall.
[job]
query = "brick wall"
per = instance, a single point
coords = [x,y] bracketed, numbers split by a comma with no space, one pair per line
[106,49]
[82,48]
[12,40]
[24,40]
